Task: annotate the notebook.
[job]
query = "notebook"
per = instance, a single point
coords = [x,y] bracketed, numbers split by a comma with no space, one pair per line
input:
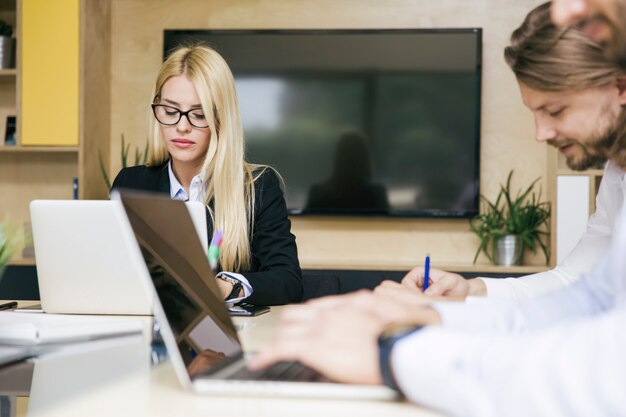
[195,325]
[83,265]
[9,354]
[46,329]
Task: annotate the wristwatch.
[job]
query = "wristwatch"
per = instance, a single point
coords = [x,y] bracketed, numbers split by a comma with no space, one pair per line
[237,285]
[387,339]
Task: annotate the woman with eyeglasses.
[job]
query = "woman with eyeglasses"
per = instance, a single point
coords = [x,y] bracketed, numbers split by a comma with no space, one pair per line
[197,153]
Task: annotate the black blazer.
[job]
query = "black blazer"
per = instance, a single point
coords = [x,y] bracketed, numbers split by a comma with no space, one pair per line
[275,273]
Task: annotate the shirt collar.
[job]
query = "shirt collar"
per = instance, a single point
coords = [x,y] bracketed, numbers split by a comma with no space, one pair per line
[614,173]
[177,192]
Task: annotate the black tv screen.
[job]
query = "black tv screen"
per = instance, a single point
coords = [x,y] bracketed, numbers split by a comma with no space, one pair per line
[360,122]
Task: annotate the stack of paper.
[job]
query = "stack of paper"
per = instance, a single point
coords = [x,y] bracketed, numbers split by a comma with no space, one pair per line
[37,329]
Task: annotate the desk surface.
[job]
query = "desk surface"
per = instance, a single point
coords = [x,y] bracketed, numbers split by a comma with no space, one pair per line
[114,377]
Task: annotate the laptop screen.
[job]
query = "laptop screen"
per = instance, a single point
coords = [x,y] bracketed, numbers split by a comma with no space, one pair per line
[184,282]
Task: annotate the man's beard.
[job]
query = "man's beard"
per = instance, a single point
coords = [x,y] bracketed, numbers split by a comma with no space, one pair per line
[596,153]
[592,160]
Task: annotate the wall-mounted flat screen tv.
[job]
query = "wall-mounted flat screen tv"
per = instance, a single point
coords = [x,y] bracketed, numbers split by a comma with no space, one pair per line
[360,122]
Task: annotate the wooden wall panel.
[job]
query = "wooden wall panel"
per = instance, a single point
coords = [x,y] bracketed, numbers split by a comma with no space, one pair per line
[507,127]
[26,176]
[95,105]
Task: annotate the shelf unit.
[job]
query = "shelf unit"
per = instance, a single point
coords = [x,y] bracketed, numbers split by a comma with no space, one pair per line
[557,167]
[9,76]
[482,267]
[594,175]
[19,261]
[48,172]
[39,149]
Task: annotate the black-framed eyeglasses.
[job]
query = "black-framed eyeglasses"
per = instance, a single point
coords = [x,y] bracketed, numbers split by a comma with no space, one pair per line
[170,116]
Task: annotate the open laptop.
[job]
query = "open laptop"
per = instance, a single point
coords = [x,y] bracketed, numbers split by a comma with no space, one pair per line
[195,325]
[83,265]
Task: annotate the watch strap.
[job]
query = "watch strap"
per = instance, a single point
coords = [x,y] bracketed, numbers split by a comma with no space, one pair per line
[235,291]
[386,341]
[237,285]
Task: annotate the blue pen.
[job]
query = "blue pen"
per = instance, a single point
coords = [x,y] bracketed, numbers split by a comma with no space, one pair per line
[426,272]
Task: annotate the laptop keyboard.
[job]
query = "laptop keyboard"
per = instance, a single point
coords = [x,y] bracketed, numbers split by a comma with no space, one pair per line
[282,371]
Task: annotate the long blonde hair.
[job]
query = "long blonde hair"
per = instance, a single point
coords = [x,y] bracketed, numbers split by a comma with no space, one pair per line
[229,179]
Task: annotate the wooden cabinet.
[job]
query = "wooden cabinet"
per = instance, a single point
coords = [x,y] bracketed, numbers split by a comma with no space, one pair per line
[8,77]
[60,94]
[573,197]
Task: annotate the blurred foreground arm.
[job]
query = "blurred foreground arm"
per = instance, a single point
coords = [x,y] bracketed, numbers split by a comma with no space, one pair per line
[338,335]
[577,369]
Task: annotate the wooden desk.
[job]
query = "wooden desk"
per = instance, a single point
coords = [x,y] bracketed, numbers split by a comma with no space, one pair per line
[256,332]
[117,379]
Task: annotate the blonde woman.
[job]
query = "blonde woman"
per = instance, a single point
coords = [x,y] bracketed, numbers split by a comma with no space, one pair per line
[197,153]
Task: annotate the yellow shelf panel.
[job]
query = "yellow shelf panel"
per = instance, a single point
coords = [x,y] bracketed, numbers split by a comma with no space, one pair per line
[50,73]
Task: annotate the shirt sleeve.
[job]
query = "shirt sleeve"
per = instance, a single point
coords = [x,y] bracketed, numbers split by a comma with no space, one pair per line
[247,288]
[595,293]
[576,369]
[587,251]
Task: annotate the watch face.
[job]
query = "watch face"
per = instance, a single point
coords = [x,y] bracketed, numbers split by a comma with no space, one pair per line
[226,278]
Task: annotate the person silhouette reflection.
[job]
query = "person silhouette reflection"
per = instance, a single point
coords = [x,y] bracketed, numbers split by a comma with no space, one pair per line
[350,185]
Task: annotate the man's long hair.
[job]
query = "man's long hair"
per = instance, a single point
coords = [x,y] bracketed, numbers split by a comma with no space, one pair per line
[545,57]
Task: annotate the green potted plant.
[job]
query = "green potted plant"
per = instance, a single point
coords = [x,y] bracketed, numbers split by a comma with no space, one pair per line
[6,45]
[509,225]
[8,245]
[140,158]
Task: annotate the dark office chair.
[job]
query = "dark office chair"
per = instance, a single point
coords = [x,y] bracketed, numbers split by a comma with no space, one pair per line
[317,285]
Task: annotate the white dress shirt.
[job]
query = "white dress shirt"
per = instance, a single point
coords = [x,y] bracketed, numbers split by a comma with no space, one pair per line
[562,354]
[587,251]
[197,192]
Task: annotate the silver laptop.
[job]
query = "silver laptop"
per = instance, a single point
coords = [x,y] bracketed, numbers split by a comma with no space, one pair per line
[195,325]
[84,264]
